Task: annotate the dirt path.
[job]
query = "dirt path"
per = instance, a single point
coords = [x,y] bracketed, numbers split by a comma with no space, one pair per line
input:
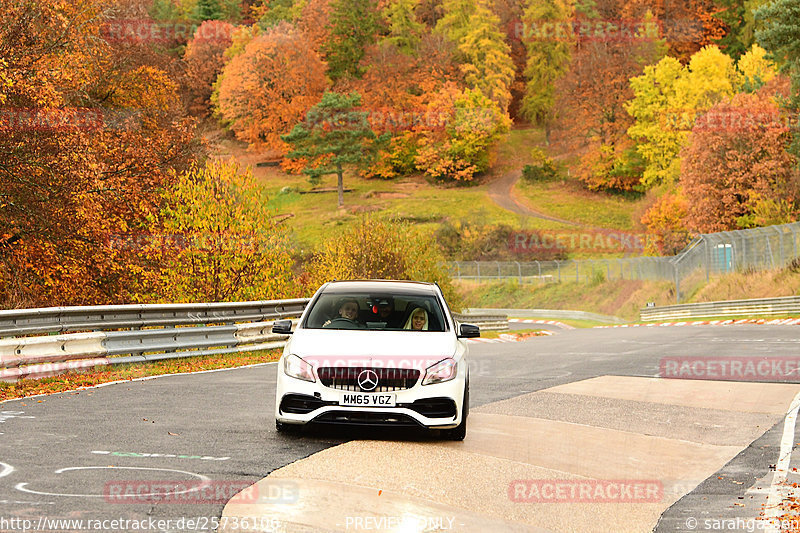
[501,193]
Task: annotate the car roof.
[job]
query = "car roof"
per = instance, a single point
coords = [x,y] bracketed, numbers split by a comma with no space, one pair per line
[381,286]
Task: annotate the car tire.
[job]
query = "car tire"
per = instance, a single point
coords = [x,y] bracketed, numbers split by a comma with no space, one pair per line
[460,431]
[283,427]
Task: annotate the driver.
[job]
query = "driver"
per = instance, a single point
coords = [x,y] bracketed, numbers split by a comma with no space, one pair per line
[348,315]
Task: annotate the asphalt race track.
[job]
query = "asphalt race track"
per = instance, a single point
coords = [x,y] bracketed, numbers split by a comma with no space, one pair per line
[63,456]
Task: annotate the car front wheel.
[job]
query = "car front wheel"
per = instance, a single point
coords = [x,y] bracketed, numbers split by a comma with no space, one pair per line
[460,431]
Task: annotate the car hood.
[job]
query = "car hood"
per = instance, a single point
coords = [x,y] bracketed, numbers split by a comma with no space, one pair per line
[365,348]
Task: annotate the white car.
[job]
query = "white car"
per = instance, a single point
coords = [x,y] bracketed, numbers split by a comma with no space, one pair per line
[375,353]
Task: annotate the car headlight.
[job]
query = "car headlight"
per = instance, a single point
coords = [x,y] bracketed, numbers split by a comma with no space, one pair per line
[444,370]
[296,367]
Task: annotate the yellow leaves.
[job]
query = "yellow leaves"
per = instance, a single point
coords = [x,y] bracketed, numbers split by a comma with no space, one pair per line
[145,87]
[219,240]
[755,69]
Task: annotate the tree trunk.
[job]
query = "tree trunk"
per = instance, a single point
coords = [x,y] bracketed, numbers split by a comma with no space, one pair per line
[340,186]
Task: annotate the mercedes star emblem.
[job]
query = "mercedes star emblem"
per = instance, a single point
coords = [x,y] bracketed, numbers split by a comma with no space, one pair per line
[368,380]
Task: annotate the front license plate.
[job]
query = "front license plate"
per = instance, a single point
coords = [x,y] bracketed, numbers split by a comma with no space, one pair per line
[367,400]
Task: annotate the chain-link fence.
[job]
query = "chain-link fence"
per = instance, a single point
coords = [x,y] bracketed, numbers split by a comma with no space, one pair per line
[712,253]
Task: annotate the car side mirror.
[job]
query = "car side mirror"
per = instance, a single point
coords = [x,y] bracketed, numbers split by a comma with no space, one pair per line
[468,331]
[283,327]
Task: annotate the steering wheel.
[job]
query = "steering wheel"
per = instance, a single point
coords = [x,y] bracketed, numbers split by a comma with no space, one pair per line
[343,323]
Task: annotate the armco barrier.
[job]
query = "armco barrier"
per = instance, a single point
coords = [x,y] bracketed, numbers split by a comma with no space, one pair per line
[488,322]
[789,305]
[52,354]
[550,313]
[108,317]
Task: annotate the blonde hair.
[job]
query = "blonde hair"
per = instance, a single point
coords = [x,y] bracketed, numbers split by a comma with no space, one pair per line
[410,320]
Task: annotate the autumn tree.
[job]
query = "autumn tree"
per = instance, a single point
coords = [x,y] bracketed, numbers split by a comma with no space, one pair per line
[462,130]
[736,168]
[205,59]
[91,132]
[314,22]
[404,31]
[667,99]
[454,23]
[487,64]
[740,25]
[334,134]
[354,26]
[372,248]
[591,97]
[686,25]
[268,88]
[547,59]
[780,36]
[218,240]
[665,221]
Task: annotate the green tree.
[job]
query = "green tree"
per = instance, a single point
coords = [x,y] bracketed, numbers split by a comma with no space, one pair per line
[487,63]
[208,10]
[780,36]
[354,25]
[220,240]
[548,58]
[454,24]
[405,32]
[334,134]
[274,11]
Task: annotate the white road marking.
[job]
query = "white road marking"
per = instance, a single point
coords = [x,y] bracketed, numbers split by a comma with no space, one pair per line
[6,469]
[205,481]
[772,509]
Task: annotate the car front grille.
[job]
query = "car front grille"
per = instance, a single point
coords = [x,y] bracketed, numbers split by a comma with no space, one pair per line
[389,379]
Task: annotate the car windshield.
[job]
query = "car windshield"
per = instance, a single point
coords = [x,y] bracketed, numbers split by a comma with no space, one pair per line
[384,312]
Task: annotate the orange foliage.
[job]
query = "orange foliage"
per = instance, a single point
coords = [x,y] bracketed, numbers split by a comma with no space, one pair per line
[314,22]
[267,89]
[92,130]
[687,25]
[736,165]
[666,227]
[205,59]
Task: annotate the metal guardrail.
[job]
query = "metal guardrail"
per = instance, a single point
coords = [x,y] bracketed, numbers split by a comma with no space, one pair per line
[26,356]
[487,322]
[109,317]
[551,313]
[755,307]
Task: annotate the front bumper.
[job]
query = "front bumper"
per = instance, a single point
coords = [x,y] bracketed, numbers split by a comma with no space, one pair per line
[436,406]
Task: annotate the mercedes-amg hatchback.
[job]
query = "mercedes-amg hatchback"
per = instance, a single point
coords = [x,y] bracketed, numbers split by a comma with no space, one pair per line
[378,353]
